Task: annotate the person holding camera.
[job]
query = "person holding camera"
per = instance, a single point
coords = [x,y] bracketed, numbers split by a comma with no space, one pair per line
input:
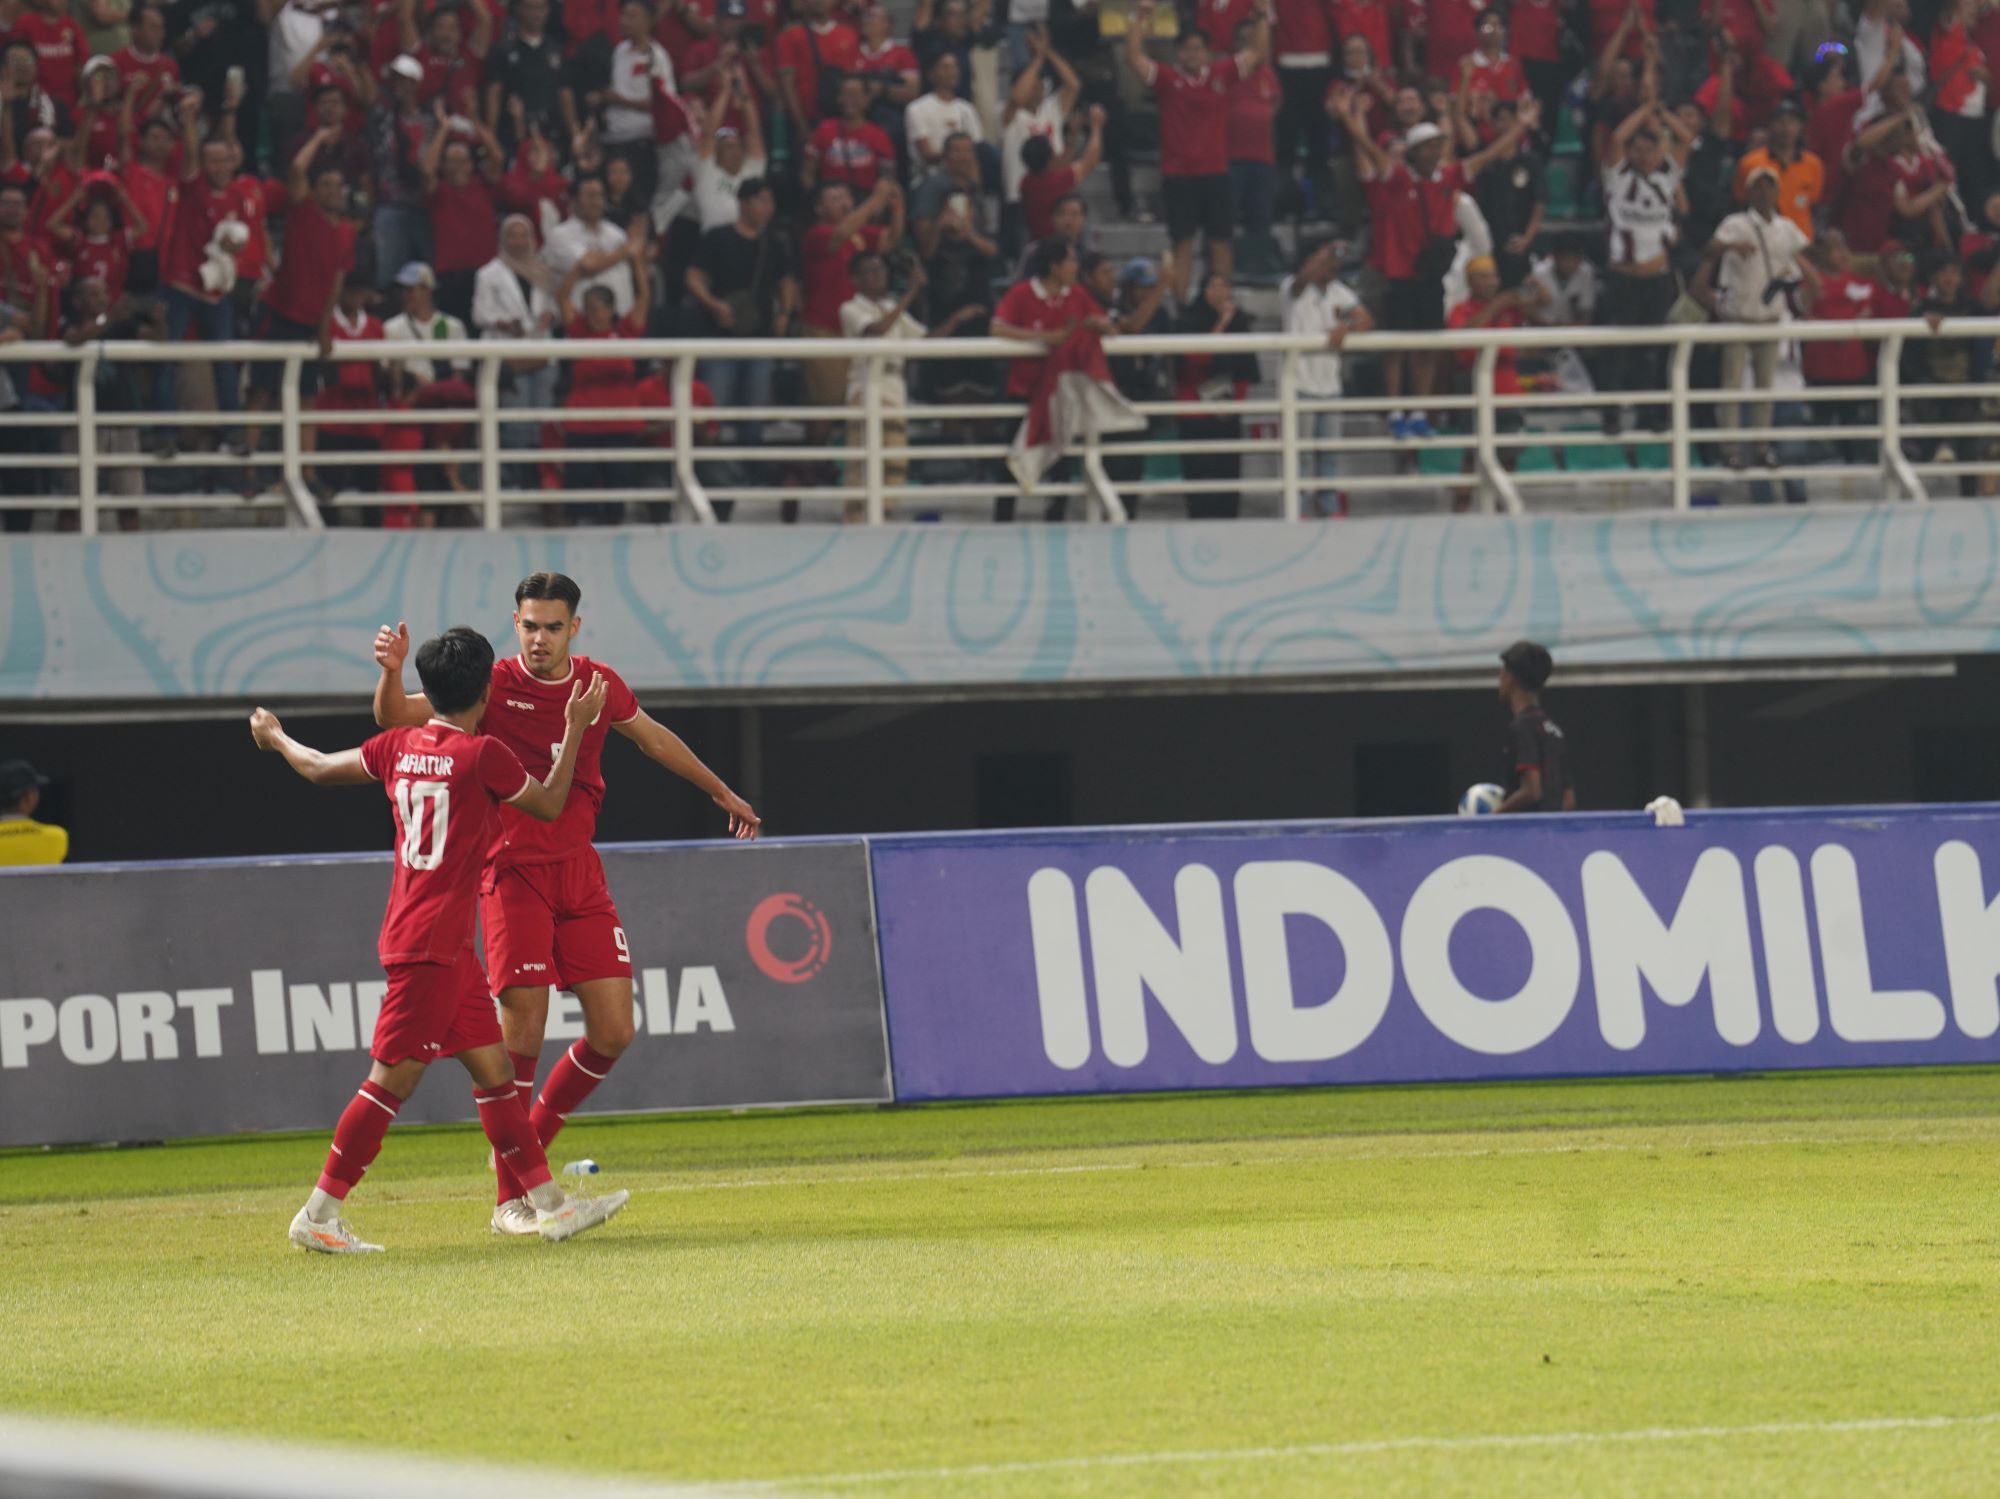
[1749,274]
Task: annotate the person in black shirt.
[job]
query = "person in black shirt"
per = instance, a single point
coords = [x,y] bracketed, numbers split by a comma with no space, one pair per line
[1537,756]
[529,66]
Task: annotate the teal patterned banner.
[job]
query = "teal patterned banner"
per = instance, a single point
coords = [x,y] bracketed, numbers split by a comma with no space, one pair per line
[195,614]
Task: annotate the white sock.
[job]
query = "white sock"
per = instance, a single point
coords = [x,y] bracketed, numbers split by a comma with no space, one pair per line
[547,1197]
[1396,415]
[322,1208]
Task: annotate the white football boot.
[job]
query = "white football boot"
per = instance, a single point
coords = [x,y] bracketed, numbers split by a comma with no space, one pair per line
[579,1215]
[516,1216]
[328,1238]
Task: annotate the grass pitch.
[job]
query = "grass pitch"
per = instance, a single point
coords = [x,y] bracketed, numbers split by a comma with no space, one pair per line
[1780,1285]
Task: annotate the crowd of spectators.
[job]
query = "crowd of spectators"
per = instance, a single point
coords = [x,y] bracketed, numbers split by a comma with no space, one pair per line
[308,172]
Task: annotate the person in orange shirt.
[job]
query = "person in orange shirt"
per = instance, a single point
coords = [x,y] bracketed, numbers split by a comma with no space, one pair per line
[1801,175]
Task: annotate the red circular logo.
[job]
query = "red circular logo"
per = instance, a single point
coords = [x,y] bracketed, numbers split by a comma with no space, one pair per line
[818,938]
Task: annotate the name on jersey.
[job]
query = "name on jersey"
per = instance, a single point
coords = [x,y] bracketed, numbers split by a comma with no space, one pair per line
[514,702]
[414,763]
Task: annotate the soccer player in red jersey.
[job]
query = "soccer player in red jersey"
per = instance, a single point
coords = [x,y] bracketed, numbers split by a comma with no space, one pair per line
[447,783]
[545,909]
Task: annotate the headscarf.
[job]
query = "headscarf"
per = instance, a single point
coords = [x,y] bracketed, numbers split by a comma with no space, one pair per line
[528,266]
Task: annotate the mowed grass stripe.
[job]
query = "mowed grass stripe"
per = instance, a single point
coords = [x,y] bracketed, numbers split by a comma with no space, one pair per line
[929,1290]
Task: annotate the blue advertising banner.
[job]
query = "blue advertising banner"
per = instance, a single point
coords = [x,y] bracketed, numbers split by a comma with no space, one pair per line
[1120,960]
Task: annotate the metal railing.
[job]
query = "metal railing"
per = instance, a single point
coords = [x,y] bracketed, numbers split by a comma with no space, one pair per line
[1496,451]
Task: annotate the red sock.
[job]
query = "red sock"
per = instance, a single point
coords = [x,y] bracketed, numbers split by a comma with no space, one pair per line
[571,1081]
[509,1186]
[357,1139]
[514,1144]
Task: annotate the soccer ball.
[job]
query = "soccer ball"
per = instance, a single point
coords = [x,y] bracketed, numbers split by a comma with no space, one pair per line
[1480,800]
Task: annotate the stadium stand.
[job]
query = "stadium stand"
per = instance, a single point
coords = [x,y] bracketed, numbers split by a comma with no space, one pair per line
[310,177]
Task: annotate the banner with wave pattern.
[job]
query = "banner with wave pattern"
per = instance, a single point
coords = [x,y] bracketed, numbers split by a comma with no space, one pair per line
[193,614]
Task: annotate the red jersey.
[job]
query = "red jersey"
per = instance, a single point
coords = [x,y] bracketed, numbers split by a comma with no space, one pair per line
[521,191]
[17,268]
[447,787]
[895,63]
[1843,298]
[823,265]
[1501,77]
[1369,18]
[1534,30]
[464,225]
[1605,16]
[839,47]
[526,714]
[854,154]
[1025,306]
[152,193]
[1302,28]
[59,52]
[455,78]
[1506,376]
[1451,29]
[104,256]
[1869,212]
[597,384]
[1405,211]
[1253,113]
[1040,192]
[1829,132]
[147,77]
[318,252]
[197,211]
[1194,119]
[1218,19]
[671,32]
[584,19]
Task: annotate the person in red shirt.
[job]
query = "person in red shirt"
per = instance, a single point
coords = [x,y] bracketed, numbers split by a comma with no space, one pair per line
[889,69]
[451,61]
[848,149]
[546,913]
[1895,186]
[1843,298]
[460,192]
[1043,308]
[1193,96]
[1535,32]
[440,777]
[535,179]
[1253,157]
[319,252]
[1051,175]
[1489,68]
[103,247]
[97,139]
[197,265]
[1450,29]
[844,229]
[351,385]
[812,57]
[680,25]
[1962,100]
[1413,226]
[26,261]
[60,48]
[150,177]
[146,70]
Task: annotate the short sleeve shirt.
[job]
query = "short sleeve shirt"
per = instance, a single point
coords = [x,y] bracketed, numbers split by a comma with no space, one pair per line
[1535,742]
[528,716]
[1194,118]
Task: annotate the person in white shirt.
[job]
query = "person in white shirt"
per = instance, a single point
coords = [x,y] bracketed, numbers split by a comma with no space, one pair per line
[1319,305]
[589,239]
[421,322]
[1758,258]
[1569,286]
[639,66]
[1036,106]
[935,118]
[872,313]
[1644,201]
[727,160]
[513,297]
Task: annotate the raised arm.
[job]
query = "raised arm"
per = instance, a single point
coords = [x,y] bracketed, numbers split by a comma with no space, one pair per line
[1614,153]
[433,152]
[1137,24]
[394,708]
[1600,81]
[661,744]
[343,768]
[1093,149]
[543,800]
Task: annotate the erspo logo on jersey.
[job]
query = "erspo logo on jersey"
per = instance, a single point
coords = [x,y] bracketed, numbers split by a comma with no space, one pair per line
[808,934]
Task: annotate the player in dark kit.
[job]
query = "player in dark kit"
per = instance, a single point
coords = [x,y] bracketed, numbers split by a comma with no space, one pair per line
[447,783]
[545,909]
[1537,755]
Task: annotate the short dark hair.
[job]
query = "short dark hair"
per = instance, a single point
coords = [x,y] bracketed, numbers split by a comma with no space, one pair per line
[1190,33]
[1528,663]
[861,258]
[1037,153]
[1088,262]
[1047,255]
[1057,206]
[750,187]
[558,586]
[455,669]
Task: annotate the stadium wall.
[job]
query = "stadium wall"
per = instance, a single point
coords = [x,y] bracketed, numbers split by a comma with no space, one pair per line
[193,616]
[152,1001]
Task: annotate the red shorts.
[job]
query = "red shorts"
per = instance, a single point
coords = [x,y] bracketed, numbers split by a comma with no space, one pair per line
[434,1010]
[551,924]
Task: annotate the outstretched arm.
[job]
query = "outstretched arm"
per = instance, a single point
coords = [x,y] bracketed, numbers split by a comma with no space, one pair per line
[394,708]
[543,800]
[343,768]
[658,742]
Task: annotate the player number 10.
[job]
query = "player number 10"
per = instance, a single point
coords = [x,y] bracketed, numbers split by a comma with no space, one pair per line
[413,800]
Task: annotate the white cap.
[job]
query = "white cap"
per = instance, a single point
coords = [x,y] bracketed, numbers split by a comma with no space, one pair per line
[1418,134]
[409,67]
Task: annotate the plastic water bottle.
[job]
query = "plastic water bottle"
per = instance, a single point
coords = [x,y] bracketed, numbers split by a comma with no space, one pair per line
[580,1169]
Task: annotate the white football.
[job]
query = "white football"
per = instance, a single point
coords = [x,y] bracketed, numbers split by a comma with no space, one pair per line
[1480,800]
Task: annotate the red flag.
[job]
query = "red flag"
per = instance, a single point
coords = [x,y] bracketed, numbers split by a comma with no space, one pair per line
[1073,399]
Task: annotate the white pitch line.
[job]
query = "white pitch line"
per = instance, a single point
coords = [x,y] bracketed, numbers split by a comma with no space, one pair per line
[1499,1441]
